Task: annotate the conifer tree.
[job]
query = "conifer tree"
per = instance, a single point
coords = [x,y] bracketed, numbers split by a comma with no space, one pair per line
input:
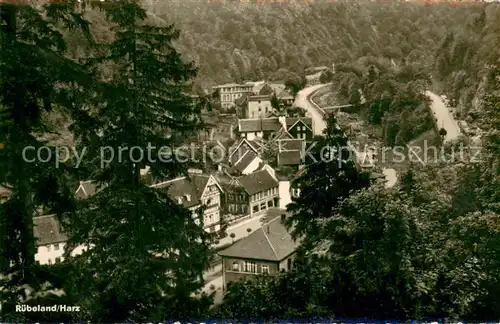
[147,254]
[330,175]
[32,66]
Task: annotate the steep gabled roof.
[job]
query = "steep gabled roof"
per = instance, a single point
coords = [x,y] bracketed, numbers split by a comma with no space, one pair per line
[257,181]
[282,134]
[271,242]
[47,230]
[242,100]
[284,94]
[290,158]
[182,188]
[86,189]
[240,149]
[189,188]
[292,121]
[245,161]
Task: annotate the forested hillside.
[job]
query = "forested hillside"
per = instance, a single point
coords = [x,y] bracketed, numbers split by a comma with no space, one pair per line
[412,46]
[244,41]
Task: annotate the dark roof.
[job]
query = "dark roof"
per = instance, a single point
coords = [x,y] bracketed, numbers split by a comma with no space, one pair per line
[47,230]
[270,242]
[259,97]
[193,185]
[239,150]
[269,124]
[282,134]
[291,144]
[245,161]
[290,121]
[259,124]
[181,187]
[285,94]
[290,158]
[266,90]
[257,182]
[241,100]
[86,189]
[200,182]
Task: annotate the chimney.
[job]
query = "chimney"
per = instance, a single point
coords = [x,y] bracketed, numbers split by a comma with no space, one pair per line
[282,121]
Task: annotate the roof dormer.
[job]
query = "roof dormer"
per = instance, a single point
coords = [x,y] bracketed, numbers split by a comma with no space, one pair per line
[179,200]
[188,197]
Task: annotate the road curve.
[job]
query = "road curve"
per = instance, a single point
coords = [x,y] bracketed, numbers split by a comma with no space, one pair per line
[444,118]
[302,101]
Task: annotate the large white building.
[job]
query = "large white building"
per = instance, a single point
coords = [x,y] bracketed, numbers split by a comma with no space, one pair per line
[229,92]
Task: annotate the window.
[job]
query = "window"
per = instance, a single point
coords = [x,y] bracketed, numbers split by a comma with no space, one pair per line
[263,206]
[264,268]
[56,247]
[270,203]
[50,261]
[48,248]
[251,267]
[58,260]
[231,197]
[255,209]
[289,264]
[236,266]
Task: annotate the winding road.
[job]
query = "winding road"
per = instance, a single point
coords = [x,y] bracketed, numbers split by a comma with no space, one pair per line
[444,118]
[302,100]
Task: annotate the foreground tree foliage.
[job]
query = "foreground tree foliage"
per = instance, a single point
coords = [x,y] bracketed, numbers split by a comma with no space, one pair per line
[34,79]
[147,253]
[330,175]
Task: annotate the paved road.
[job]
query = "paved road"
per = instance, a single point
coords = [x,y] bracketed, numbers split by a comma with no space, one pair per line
[319,124]
[444,117]
[301,101]
[240,229]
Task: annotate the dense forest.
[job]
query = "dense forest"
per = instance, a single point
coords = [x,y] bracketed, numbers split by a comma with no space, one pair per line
[427,248]
[413,47]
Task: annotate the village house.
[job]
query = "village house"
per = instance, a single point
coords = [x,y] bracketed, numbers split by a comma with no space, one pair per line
[297,127]
[285,98]
[194,191]
[235,199]
[244,157]
[261,188]
[258,106]
[51,240]
[266,251]
[291,153]
[251,195]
